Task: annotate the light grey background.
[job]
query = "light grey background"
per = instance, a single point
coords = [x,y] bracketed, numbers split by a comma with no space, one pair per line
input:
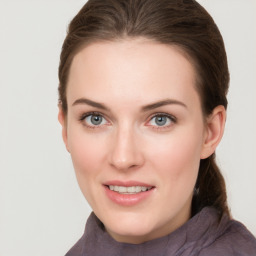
[42,211]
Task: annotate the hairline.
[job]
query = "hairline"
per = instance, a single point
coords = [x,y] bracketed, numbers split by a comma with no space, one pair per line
[180,48]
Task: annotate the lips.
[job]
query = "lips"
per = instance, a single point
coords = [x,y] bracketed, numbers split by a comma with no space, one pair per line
[128,193]
[129,190]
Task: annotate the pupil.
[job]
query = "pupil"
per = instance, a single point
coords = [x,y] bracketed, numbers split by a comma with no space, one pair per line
[161,120]
[96,120]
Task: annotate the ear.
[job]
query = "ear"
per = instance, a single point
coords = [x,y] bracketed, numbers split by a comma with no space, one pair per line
[215,125]
[62,119]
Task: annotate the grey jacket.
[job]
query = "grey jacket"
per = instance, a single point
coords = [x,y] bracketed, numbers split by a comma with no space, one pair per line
[203,235]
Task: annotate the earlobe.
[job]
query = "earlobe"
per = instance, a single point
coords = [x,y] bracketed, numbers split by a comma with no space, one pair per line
[62,120]
[214,131]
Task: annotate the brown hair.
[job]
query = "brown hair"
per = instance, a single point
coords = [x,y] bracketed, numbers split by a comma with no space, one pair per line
[183,23]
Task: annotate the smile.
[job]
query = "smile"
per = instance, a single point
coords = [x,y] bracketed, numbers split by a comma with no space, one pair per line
[129,190]
[128,193]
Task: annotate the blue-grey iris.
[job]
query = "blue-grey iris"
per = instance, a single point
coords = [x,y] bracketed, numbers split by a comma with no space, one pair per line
[96,120]
[161,120]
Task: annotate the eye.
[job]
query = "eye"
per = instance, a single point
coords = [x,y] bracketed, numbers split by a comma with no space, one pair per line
[93,120]
[162,120]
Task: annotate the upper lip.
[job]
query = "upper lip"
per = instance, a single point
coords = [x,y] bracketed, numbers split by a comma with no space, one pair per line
[129,183]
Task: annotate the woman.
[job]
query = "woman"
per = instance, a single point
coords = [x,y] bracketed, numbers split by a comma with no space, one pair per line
[143,87]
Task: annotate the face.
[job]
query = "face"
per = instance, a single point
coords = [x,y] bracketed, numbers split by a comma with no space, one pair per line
[136,134]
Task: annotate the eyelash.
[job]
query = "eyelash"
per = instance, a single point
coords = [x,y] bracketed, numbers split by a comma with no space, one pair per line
[84,116]
[172,119]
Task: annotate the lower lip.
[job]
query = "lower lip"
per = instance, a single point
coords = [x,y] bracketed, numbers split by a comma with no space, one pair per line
[127,199]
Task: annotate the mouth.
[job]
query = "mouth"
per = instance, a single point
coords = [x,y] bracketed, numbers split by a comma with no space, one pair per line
[129,190]
[128,193]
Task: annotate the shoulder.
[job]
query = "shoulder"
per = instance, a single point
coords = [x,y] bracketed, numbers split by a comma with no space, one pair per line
[76,250]
[234,240]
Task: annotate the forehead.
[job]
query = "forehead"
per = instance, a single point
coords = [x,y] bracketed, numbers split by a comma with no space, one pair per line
[136,68]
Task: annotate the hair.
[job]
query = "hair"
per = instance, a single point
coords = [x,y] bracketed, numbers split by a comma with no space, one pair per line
[181,23]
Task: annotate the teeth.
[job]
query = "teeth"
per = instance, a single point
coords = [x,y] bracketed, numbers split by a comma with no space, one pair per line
[143,189]
[129,190]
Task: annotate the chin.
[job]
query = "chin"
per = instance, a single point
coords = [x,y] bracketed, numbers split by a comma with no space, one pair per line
[129,227]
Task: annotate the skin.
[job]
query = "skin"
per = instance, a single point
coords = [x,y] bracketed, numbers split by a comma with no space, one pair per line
[128,144]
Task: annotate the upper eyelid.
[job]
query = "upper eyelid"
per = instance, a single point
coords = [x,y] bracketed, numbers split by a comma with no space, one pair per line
[96,113]
[172,118]
[163,114]
[84,115]
[89,126]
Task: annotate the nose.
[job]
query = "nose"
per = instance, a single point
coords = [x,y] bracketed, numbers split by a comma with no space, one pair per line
[126,153]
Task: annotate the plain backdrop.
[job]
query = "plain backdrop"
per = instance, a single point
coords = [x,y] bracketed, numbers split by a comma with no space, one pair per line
[42,211]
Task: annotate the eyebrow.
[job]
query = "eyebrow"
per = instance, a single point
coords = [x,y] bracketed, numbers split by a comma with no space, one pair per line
[90,103]
[144,108]
[163,103]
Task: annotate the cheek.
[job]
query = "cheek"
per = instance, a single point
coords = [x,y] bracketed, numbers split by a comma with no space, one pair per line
[177,157]
[87,155]
[176,163]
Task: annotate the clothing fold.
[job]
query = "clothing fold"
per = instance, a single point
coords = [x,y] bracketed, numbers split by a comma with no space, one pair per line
[205,234]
